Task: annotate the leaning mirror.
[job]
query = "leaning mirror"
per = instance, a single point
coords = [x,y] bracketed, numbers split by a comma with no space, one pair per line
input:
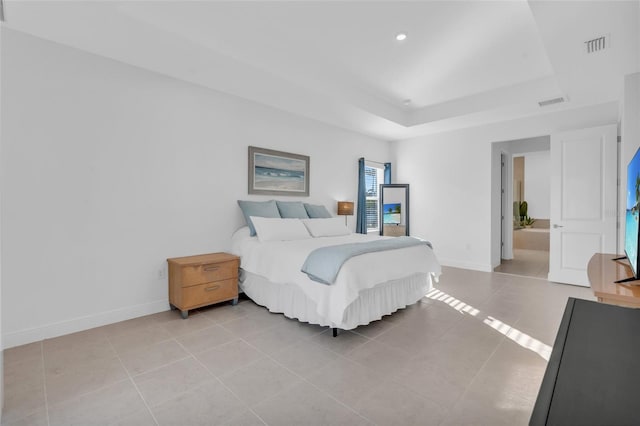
[394,209]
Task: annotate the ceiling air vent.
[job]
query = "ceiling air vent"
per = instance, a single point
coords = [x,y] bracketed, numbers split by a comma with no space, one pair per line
[551,101]
[598,44]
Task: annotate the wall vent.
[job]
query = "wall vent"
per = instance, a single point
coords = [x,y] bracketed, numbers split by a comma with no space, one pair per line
[551,101]
[598,44]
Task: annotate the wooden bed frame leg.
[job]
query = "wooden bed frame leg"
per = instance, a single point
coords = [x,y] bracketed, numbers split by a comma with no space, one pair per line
[335,332]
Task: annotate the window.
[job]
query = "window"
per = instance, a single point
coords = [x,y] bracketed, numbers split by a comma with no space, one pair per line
[373,177]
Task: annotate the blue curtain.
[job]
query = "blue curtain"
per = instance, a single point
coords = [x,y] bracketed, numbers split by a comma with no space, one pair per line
[361,214]
[387,173]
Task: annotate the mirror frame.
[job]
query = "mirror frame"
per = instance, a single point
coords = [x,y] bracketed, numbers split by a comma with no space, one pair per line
[404,186]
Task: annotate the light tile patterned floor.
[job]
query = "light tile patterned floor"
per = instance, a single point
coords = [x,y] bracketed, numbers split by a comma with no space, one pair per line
[471,352]
[530,263]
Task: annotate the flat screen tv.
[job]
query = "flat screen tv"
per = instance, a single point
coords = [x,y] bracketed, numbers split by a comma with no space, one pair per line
[631,234]
[392,214]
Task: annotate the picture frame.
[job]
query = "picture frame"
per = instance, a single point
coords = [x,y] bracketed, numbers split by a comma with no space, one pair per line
[278,173]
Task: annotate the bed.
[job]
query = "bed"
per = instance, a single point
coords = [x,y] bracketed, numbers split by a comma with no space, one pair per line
[366,288]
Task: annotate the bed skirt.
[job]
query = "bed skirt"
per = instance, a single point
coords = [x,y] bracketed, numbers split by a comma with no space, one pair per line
[371,305]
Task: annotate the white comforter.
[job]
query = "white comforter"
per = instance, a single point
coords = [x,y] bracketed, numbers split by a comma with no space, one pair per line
[280,262]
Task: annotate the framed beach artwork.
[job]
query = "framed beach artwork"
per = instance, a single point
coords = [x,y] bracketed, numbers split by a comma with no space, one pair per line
[278,173]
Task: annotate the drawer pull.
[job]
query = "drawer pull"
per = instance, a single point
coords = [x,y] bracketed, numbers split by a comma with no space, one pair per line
[212,288]
[211,268]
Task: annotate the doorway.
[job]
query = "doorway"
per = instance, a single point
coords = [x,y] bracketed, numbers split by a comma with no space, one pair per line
[582,200]
[525,194]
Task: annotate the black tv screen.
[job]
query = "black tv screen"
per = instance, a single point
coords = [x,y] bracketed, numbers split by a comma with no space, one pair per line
[631,219]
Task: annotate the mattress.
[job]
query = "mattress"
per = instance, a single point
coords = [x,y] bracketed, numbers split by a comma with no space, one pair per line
[367,287]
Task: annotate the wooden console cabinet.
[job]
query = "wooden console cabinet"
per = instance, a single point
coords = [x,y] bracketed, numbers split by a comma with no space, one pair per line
[603,271]
[196,281]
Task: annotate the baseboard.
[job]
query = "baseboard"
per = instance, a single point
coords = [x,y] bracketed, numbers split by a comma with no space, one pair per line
[48,331]
[484,267]
[562,280]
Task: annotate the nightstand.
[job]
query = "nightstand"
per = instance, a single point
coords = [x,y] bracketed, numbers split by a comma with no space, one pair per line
[201,280]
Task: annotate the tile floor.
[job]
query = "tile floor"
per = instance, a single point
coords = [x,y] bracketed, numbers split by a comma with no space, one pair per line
[472,352]
[530,263]
[531,238]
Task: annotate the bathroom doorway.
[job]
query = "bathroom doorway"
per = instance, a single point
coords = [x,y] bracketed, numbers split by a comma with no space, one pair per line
[525,212]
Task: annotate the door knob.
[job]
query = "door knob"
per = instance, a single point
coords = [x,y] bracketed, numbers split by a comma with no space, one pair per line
[555,225]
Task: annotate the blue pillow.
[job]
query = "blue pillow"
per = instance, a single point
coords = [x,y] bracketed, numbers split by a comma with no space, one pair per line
[317,211]
[258,209]
[292,210]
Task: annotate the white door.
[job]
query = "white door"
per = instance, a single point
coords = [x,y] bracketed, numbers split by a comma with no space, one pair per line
[583,201]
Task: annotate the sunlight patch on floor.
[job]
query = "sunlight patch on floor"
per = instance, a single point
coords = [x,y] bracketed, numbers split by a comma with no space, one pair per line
[522,339]
[452,301]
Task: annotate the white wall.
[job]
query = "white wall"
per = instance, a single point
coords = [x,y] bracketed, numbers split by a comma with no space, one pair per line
[1,352]
[630,141]
[455,182]
[107,170]
[537,181]
[526,145]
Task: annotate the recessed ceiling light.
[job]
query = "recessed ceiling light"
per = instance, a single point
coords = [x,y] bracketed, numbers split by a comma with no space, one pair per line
[406,102]
[401,36]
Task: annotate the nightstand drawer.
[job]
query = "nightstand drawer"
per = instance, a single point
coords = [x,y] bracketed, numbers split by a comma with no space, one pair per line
[199,274]
[209,293]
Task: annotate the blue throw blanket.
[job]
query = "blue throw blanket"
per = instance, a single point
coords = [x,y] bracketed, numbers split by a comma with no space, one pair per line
[323,264]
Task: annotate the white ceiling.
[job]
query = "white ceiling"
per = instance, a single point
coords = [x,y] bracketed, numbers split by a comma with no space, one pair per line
[464,63]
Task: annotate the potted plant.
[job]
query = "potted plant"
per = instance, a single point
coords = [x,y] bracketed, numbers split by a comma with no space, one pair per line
[525,220]
[523,210]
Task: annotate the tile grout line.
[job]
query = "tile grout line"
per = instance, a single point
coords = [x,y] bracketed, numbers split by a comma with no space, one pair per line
[282,366]
[222,383]
[309,382]
[153,370]
[391,327]
[502,340]
[144,401]
[445,409]
[192,355]
[475,376]
[448,413]
[129,376]
[230,371]
[265,355]
[44,383]
[89,392]
[513,274]
[349,351]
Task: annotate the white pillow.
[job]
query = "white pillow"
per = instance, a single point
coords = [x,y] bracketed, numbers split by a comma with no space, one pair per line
[277,229]
[330,227]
